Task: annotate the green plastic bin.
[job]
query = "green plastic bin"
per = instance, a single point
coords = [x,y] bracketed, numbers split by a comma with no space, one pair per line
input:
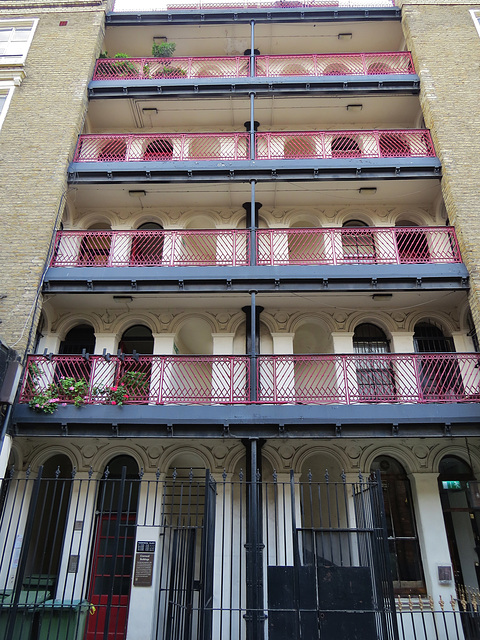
[24,615]
[62,619]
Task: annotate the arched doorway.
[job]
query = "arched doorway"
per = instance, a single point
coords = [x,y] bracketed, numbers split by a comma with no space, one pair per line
[375,377]
[135,367]
[147,246]
[345,147]
[412,243]
[404,548]
[460,497]
[158,150]
[440,377]
[114,549]
[95,248]
[78,341]
[358,243]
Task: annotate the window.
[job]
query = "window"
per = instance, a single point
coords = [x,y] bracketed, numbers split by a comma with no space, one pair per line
[475,13]
[15,39]
[6,93]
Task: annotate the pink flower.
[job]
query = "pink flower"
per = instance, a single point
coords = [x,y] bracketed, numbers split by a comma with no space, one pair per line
[37,406]
[71,388]
[121,384]
[113,402]
[113,388]
[125,396]
[64,404]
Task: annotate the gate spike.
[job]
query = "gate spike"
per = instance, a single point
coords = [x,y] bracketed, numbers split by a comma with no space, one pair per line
[157,474]
[275,475]
[344,476]
[74,472]
[327,476]
[432,604]
[240,475]
[174,474]
[360,477]
[57,472]
[28,472]
[310,475]
[141,473]
[420,602]
[452,603]
[258,476]
[90,473]
[224,474]
[441,603]
[107,473]
[190,475]
[12,471]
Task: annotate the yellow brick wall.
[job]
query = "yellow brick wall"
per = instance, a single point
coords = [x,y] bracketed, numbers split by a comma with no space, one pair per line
[37,141]
[446,51]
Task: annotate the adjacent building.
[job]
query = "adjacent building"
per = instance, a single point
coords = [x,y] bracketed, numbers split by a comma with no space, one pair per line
[240,277]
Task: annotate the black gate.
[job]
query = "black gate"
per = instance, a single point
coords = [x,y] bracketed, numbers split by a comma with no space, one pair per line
[339,583]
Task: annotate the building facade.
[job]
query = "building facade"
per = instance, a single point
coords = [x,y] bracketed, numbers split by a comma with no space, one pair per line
[241,275]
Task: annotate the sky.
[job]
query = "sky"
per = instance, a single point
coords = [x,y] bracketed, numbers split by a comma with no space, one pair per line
[152,5]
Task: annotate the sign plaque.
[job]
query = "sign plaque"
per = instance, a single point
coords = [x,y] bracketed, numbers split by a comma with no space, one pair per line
[143,573]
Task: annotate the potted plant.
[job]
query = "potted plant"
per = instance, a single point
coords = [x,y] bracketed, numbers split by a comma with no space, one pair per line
[164,50]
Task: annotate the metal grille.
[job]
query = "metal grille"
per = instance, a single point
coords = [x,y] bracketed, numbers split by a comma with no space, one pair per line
[410,143]
[172,68]
[276,4]
[320,379]
[152,248]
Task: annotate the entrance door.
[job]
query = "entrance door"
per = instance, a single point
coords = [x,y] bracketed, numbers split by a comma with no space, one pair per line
[111,579]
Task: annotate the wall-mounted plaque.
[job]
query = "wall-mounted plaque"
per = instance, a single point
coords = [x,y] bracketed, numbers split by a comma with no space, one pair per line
[143,573]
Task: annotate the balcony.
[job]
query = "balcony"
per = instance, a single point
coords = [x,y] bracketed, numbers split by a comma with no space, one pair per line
[352,64]
[274,247]
[211,396]
[286,154]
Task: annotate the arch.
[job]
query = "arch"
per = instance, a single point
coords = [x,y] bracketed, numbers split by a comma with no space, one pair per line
[379,318]
[113,151]
[335,69]
[137,338]
[78,338]
[375,68]
[294,68]
[158,149]
[401,526]
[147,247]
[194,336]
[95,249]
[308,339]
[128,319]
[358,243]
[430,338]
[412,243]
[439,318]
[345,146]
[375,376]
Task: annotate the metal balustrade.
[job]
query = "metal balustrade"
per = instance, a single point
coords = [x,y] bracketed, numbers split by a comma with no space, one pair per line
[305,379]
[152,248]
[270,145]
[231,247]
[398,62]
[278,4]
[372,245]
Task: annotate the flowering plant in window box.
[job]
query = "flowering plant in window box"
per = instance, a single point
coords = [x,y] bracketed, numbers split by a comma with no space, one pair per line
[131,384]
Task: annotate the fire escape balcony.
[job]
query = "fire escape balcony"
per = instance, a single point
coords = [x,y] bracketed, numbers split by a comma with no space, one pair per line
[344,74]
[160,157]
[283,259]
[302,391]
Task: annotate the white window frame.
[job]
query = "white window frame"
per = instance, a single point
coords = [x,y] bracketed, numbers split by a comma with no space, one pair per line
[20,22]
[6,90]
[475,13]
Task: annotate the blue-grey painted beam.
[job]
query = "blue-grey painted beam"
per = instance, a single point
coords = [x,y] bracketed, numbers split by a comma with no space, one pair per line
[370,278]
[282,421]
[271,14]
[396,84]
[259,170]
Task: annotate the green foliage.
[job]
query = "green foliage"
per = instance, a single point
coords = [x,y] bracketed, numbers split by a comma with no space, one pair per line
[132,383]
[66,390]
[73,390]
[103,54]
[163,49]
[45,401]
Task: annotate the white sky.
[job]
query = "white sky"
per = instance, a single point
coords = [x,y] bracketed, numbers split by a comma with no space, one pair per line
[152,5]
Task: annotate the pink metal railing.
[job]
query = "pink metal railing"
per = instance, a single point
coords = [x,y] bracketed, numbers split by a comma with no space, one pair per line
[140,379]
[339,64]
[344,144]
[231,247]
[270,145]
[276,4]
[171,68]
[152,248]
[307,379]
[162,147]
[385,378]
[372,245]
[398,62]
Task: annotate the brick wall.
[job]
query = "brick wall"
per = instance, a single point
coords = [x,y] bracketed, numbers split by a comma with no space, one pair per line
[446,51]
[37,140]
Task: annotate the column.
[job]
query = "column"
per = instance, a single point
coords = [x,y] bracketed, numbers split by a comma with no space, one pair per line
[431,533]
[6,447]
[469,370]
[352,480]
[225,384]
[172,246]
[162,382]
[345,369]
[407,371]
[103,370]
[282,368]
[44,372]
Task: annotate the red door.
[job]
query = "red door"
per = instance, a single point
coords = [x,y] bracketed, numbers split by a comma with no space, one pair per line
[111,579]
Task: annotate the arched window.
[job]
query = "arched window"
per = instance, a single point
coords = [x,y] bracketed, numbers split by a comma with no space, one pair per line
[147,247]
[113,151]
[137,338]
[460,496]
[358,243]
[160,149]
[299,147]
[135,368]
[114,548]
[401,528]
[440,377]
[78,339]
[411,243]
[335,69]
[375,377]
[378,67]
[345,147]
[95,248]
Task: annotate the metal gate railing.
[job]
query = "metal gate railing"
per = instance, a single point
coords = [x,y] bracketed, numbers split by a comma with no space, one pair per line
[198,558]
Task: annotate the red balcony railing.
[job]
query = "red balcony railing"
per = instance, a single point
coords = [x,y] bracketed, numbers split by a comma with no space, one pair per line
[231,247]
[372,245]
[285,145]
[398,62]
[276,4]
[318,379]
[152,248]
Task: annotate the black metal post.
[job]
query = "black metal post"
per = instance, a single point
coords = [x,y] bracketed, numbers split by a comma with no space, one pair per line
[252,48]
[251,222]
[252,319]
[255,615]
